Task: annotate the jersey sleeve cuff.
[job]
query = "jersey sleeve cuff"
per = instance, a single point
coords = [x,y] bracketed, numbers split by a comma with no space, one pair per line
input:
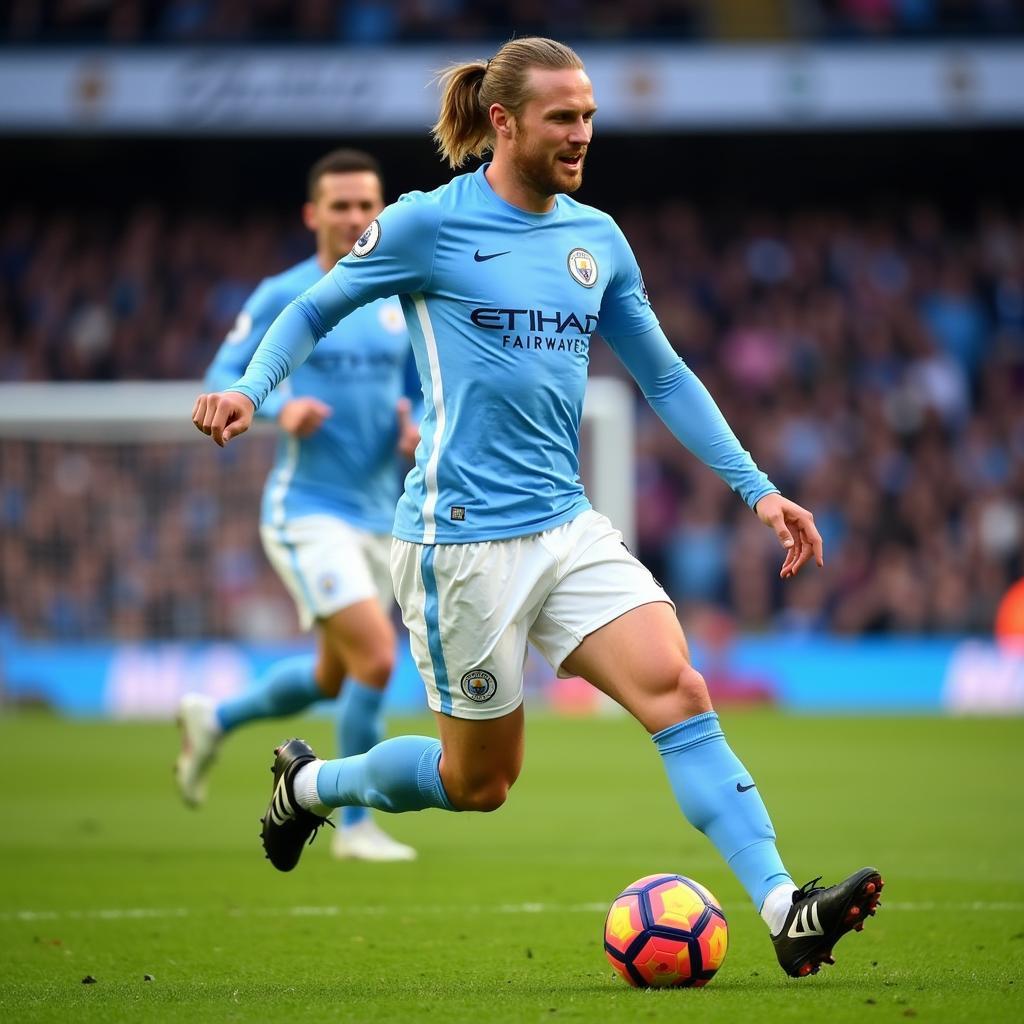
[758,494]
[272,406]
[244,389]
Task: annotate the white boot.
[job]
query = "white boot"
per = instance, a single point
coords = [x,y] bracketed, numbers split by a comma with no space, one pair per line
[200,738]
[366,840]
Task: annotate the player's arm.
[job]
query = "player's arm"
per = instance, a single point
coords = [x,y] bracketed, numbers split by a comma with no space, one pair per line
[241,342]
[394,257]
[300,416]
[686,407]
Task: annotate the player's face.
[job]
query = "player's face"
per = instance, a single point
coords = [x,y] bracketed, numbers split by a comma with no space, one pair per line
[553,130]
[344,206]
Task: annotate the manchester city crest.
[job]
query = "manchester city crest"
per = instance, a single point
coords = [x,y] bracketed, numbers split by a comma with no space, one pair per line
[479,685]
[583,268]
[367,240]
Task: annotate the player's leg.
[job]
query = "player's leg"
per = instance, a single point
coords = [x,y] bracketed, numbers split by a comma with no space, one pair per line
[629,644]
[362,636]
[480,758]
[297,553]
[470,768]
[468,620]
[399,774]
[640,659]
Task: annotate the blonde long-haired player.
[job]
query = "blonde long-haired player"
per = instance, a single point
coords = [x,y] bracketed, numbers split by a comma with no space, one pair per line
[504,279]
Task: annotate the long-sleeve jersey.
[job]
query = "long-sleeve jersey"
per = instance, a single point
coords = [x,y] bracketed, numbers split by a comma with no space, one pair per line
[349,467]
[501,305]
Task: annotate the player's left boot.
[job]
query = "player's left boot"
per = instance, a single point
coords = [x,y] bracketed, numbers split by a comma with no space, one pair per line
[287,826]
[366,840]
[820,917]
[200,739]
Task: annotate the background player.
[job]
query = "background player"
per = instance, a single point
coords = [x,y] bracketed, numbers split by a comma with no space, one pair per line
[495,540]
[329,500]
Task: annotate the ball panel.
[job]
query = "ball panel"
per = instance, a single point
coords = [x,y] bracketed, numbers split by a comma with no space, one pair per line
[676,904]
[624,922]
[664,962]
[714,942]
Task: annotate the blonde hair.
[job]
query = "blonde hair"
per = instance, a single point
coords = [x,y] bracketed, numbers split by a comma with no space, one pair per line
[463,126]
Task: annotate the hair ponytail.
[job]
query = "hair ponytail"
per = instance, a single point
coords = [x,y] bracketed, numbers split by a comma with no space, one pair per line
[463,128]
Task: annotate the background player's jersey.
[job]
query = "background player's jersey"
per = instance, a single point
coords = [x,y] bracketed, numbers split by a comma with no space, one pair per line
[501,306]
[349,467]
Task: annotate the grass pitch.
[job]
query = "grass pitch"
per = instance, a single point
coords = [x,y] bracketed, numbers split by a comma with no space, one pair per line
[105,875]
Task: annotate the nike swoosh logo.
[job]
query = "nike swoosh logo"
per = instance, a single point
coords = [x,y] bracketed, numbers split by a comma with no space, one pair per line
[743,789]
[490,256]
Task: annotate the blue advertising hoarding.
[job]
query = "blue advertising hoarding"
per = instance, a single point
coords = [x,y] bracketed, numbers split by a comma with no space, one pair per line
[820,674]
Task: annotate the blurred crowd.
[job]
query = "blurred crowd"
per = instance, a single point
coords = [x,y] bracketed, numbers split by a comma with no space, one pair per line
[873,363]
[391,21]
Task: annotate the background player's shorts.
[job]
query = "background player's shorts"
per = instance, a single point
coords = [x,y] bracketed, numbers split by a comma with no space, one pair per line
[471,608]
[328,564]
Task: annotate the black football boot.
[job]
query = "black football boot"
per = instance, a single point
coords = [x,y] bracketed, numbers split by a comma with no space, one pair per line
[286,826]
[820,917]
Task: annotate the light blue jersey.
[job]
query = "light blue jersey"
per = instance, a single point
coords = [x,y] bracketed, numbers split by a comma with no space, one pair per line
[349,467]
[502,305]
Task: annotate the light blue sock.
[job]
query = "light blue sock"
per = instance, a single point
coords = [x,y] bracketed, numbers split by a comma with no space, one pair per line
[359,729]
[286,687]
[400,774]
[718,796]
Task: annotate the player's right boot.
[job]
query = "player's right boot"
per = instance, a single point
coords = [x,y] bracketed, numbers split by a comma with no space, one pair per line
[287,826]
[820,917]
[200,739]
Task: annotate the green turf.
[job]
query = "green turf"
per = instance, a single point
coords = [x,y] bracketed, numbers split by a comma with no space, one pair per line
[104,874]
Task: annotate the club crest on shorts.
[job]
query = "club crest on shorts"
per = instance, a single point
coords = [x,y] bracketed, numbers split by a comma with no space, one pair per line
[367,240]
[479,685]
[328,583]
[583,268]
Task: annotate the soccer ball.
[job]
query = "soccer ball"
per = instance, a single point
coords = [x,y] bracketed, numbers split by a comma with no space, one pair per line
[666,931]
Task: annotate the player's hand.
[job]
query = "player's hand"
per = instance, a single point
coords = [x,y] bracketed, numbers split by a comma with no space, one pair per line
[408,432]
[303,416]
[223,415]
[794,526]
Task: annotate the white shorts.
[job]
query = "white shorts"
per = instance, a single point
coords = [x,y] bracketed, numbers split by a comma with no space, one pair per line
[471,608]
[328,564]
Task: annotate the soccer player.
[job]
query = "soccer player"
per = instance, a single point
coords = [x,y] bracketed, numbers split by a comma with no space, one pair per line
[329,500]
[504,279]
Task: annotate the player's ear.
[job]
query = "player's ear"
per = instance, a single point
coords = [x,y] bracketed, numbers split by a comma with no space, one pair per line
[309,215]
[502,120]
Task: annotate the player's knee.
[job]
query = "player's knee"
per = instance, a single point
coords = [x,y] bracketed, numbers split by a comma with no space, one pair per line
[691,692]
[374,668]
[479,795]
[483,798]
[329,679]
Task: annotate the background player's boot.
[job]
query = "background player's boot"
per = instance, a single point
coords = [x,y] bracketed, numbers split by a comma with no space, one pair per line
[820,917]
[286,826]
[200,739]
[366,840]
